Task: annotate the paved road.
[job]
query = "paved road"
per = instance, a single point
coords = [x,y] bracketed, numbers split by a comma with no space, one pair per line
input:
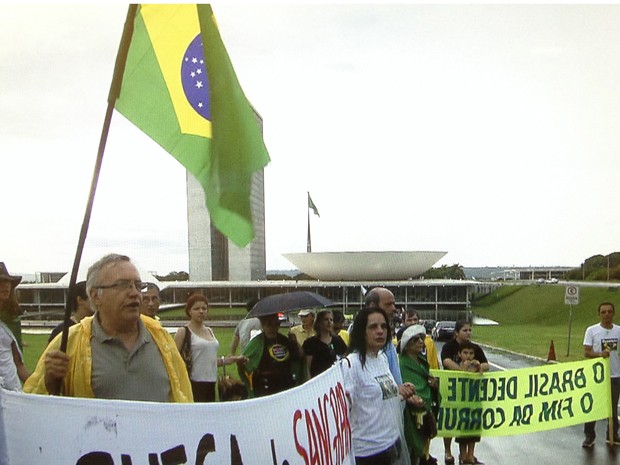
[557,447]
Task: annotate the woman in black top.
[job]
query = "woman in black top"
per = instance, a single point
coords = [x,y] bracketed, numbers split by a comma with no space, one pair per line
[322,350]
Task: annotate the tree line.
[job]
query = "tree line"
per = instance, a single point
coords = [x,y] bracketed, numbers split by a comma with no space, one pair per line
[597,268]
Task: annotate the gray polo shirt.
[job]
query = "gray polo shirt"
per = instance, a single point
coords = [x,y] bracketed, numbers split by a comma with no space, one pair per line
[139,374]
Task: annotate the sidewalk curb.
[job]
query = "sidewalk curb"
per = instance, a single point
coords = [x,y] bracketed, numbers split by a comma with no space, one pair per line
[512,352]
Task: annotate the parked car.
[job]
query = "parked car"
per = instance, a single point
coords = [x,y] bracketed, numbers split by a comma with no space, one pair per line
[443,330]
[429,325]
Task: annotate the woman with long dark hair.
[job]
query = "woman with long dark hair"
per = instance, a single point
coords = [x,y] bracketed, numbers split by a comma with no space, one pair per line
[376,400]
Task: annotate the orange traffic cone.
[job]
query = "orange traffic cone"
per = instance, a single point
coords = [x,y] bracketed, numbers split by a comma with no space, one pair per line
[551,355]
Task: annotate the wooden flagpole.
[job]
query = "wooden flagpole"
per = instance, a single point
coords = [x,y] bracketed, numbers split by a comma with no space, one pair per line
[115,87]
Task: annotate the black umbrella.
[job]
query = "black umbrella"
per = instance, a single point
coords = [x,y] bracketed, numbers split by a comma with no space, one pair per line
[287,302]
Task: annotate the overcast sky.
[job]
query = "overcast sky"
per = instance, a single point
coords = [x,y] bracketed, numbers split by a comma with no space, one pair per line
[491,132]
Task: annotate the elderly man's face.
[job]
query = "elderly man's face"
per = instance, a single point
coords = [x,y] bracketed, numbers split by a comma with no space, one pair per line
[150,302]
[118,308]
[387,303]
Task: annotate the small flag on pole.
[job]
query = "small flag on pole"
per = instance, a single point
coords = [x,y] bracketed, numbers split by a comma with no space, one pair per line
[312,206]
[179,87]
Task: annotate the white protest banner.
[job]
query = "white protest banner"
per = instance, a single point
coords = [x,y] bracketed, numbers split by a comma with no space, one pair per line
[306,425]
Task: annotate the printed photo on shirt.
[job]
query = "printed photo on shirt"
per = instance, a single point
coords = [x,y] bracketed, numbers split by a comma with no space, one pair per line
[610,344]
[388,386]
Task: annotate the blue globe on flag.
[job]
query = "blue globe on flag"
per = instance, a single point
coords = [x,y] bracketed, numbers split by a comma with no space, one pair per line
[195,80]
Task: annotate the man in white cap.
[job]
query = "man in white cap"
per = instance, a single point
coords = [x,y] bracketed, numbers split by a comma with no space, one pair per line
[305,329]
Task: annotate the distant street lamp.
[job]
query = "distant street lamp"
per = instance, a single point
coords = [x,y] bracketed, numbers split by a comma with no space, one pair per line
[608,266]
[583,271]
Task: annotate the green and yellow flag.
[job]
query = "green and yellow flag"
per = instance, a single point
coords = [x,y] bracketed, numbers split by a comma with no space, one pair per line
[312,206]
[179,87]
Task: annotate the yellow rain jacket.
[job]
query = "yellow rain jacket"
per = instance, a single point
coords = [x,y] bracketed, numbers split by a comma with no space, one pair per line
[77,382]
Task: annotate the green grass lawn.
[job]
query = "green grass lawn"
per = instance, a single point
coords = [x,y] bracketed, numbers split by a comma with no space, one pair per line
[530,317]
[34,344]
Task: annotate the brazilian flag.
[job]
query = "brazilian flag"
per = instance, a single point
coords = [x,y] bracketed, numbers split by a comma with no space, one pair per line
[179,87]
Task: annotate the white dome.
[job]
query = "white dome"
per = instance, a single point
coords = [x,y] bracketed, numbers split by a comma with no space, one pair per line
[359,266]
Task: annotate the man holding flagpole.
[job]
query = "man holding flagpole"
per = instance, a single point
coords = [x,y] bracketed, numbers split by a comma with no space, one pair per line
[117,353]
[173,80]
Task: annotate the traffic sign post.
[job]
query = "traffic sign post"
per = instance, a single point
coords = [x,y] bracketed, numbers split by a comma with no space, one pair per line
[571,297]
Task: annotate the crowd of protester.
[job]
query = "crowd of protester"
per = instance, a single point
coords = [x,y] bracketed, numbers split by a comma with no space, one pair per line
[394,398]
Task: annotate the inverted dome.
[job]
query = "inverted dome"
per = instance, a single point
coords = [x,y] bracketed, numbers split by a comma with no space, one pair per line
[359,266]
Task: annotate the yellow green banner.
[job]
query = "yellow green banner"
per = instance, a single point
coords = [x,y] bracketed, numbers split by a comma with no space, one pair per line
[524,400]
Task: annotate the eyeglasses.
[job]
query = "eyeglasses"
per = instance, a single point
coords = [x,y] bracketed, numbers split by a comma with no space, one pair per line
[124,285]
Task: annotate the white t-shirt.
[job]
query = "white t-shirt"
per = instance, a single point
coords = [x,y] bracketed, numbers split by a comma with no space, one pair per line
[376,407]
[599,337]
[8,371]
